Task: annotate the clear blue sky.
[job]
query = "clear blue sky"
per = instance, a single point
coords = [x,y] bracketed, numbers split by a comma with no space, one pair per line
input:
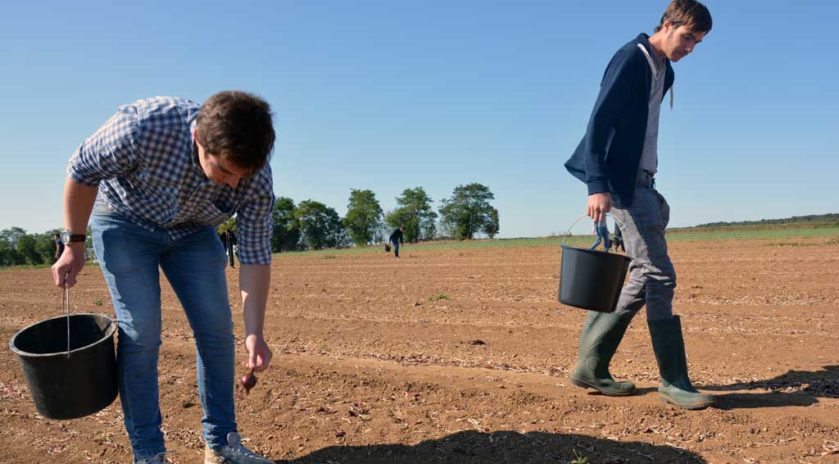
[387,95]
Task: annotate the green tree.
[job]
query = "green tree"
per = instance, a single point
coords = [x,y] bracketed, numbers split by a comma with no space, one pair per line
[320,225]
[227,226]
[10,238]
[468,211]
[7,253]
[491,227]
[27,248]
[286,233]
[364,216]
[45,245]
[413,212]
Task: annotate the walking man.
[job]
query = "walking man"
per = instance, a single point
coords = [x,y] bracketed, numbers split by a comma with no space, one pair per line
[154,181]
[617,160]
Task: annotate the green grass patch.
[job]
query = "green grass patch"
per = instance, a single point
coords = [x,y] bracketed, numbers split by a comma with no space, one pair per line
[737,233]
[673,235]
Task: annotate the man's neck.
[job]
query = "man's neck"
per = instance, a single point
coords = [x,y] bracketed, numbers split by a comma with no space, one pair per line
[655,42]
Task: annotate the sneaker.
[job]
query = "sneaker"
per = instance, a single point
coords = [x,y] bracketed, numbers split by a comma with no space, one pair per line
[156,459]
[233,453]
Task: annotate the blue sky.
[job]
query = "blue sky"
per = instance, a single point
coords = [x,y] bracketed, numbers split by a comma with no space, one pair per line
[387,95]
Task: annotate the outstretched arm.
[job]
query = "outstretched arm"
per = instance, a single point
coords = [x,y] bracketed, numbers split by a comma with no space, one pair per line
[78,203]
[254,281]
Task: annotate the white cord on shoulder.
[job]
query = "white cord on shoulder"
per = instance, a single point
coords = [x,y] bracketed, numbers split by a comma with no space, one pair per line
[656,71]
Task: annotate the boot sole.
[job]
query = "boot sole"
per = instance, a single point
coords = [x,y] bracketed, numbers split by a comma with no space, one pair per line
[584,384]
[688,406]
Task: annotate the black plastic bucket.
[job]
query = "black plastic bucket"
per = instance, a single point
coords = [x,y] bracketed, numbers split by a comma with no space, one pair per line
[67,385]
[591,279]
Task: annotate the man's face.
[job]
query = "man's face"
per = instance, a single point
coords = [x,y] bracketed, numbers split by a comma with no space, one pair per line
[679,41]
[218,169]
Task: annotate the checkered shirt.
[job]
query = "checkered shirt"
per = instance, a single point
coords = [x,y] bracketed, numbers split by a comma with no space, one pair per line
[144,161]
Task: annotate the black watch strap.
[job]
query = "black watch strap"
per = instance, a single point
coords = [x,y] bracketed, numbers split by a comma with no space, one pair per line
[69,237]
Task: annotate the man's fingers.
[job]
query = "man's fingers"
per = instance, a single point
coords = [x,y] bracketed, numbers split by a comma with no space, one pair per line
[69,281]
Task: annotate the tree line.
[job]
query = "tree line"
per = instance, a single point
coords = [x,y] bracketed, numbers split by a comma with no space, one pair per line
[312,225]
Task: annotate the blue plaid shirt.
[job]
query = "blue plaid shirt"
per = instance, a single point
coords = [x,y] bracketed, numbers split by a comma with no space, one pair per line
[145,163]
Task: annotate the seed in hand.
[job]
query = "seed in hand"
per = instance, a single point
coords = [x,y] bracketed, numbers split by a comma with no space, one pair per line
[248,381]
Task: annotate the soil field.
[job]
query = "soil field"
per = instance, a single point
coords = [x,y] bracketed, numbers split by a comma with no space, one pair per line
[463,355]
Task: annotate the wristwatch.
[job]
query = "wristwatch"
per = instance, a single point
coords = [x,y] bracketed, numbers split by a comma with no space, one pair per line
[68,237]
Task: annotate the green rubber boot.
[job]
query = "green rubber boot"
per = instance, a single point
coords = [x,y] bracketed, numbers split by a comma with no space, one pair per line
[602,333]
[669,347]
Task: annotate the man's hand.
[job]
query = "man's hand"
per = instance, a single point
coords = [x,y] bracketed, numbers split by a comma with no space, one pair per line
[78,203]
[69,264]
[598,205]
[259,355]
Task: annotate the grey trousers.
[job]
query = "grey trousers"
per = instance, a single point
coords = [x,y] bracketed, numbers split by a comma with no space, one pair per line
[652,278]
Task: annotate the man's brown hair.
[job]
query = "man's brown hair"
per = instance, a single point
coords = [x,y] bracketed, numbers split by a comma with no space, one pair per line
[237,127]
[688,13]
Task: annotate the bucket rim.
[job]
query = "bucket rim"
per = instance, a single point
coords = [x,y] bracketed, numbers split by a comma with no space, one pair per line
[109,332]
[594,252]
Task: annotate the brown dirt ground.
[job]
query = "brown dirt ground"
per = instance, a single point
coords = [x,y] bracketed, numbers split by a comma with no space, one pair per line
[379,360]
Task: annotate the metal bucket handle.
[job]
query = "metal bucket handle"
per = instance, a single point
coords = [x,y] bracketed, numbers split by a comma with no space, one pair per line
[65,302]
[568,231]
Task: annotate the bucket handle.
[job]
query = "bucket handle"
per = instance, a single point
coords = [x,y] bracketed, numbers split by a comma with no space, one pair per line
[568,231]
[66,304]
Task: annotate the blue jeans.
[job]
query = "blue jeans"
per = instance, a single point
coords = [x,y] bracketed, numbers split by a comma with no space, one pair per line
[130,257]
[652,277]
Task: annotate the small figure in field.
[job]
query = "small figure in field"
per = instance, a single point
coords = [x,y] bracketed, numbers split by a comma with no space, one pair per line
[59,246]
[396,238]
[617,241]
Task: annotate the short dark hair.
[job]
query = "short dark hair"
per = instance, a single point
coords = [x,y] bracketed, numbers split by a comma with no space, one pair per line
[237,126]
[689,13]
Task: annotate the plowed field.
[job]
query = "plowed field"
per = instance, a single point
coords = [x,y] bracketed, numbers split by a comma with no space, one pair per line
[463,355]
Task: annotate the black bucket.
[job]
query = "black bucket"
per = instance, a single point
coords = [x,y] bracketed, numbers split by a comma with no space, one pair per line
[68,385]
[591,279]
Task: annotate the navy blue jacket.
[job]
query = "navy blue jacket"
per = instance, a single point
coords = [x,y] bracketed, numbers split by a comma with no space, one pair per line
[621,109]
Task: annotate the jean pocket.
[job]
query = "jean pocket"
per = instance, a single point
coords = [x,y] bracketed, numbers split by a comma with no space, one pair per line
[664,207]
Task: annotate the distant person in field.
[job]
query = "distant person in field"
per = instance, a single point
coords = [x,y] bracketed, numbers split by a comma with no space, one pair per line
[59,246]
[230,243]
[617,239]
[396,238]
[155,180]
[617,160]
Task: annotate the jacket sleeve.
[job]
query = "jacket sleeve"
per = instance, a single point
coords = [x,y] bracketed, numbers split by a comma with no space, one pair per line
[619,80]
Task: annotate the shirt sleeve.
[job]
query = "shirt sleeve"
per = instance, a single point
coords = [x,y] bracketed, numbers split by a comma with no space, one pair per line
[109,152]
[254,220]
[619,80]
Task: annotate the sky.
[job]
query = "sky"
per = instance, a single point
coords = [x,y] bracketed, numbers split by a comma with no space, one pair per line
[393,94]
